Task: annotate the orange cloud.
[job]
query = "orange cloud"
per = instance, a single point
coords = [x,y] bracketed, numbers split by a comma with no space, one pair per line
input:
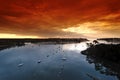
[51,18]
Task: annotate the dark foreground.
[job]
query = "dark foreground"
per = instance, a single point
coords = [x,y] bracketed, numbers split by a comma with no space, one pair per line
[105,55]
[58,60]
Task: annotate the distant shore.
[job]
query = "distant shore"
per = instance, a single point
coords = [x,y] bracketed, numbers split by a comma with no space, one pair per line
[57,40]
[110,39]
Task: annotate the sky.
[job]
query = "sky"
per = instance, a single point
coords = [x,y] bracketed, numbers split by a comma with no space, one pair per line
[59,18]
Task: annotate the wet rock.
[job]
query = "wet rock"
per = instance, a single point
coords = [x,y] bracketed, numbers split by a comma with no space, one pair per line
[64,59]
[39,61]
[47,55]
[95,42]
[89,44]
[20,65]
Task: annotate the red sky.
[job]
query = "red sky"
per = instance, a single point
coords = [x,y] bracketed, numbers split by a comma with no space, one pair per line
[59,18]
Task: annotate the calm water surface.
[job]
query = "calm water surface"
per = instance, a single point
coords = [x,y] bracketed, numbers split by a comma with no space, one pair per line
[48,62]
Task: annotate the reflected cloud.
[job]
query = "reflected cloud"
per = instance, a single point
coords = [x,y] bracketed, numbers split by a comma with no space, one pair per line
[75,47]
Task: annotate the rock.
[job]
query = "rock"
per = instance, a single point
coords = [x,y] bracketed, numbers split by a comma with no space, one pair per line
[64,59]
[39,61]
[20,65]
[95,42]
[47,55]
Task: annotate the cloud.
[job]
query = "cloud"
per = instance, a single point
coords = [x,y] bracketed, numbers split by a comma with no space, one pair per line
[48,18]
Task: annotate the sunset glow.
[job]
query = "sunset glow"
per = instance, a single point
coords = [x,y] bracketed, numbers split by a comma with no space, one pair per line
[15,36]
[59,18]
[85,27]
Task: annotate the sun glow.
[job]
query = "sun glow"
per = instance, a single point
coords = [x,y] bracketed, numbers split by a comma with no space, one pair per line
[15,36]
[85,27]
[78,30]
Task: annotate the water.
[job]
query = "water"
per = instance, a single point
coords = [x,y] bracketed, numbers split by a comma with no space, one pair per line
[48,62]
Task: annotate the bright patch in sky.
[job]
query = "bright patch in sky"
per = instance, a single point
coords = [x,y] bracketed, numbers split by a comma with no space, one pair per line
[15,36]
[85,27]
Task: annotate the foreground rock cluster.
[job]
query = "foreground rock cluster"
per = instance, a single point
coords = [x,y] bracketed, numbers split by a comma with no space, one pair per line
[105,55]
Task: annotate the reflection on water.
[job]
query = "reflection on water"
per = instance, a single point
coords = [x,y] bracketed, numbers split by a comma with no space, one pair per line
[75,47]
[48,62]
